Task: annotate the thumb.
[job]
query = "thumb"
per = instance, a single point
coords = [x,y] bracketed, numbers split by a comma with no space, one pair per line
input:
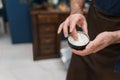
[90,45]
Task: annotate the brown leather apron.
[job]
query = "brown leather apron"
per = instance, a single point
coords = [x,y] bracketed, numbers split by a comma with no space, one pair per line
[102,65]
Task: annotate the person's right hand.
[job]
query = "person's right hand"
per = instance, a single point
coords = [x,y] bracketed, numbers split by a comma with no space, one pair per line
[71,22]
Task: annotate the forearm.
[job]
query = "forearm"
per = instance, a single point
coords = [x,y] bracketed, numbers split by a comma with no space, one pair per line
[117,36]
[77,6]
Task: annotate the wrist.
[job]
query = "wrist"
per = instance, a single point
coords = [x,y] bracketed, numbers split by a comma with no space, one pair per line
[116,36]
[76,8]
[76,12]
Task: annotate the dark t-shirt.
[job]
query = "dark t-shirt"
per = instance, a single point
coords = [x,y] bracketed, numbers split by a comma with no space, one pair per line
[110,7]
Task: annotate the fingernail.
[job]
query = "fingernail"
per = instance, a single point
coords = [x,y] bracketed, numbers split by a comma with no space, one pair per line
[70,30]
[76,38]
[66,35]
[58,32]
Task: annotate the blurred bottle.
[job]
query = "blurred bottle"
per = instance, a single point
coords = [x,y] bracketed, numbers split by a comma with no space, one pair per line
[63,6]
[53,3]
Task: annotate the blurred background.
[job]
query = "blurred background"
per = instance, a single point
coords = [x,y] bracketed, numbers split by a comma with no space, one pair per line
[30,48]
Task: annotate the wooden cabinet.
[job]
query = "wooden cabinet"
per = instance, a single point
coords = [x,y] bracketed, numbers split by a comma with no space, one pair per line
[46,41]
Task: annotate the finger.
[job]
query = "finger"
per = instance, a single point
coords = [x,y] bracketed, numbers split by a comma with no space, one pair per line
[60,28]
[74,34]
[81,52]
[72,25]
[84,27]
[94,45]
[98,49]
[98,45]
[90,48]
[65,29]
[90,45]
[76,51]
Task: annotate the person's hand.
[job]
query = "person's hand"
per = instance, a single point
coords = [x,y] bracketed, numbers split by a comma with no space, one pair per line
[101,41]
[71,22]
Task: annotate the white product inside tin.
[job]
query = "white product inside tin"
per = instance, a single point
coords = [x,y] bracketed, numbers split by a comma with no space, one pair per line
[82,39]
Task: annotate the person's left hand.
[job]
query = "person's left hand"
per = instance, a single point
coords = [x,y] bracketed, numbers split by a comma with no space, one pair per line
[101,41]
